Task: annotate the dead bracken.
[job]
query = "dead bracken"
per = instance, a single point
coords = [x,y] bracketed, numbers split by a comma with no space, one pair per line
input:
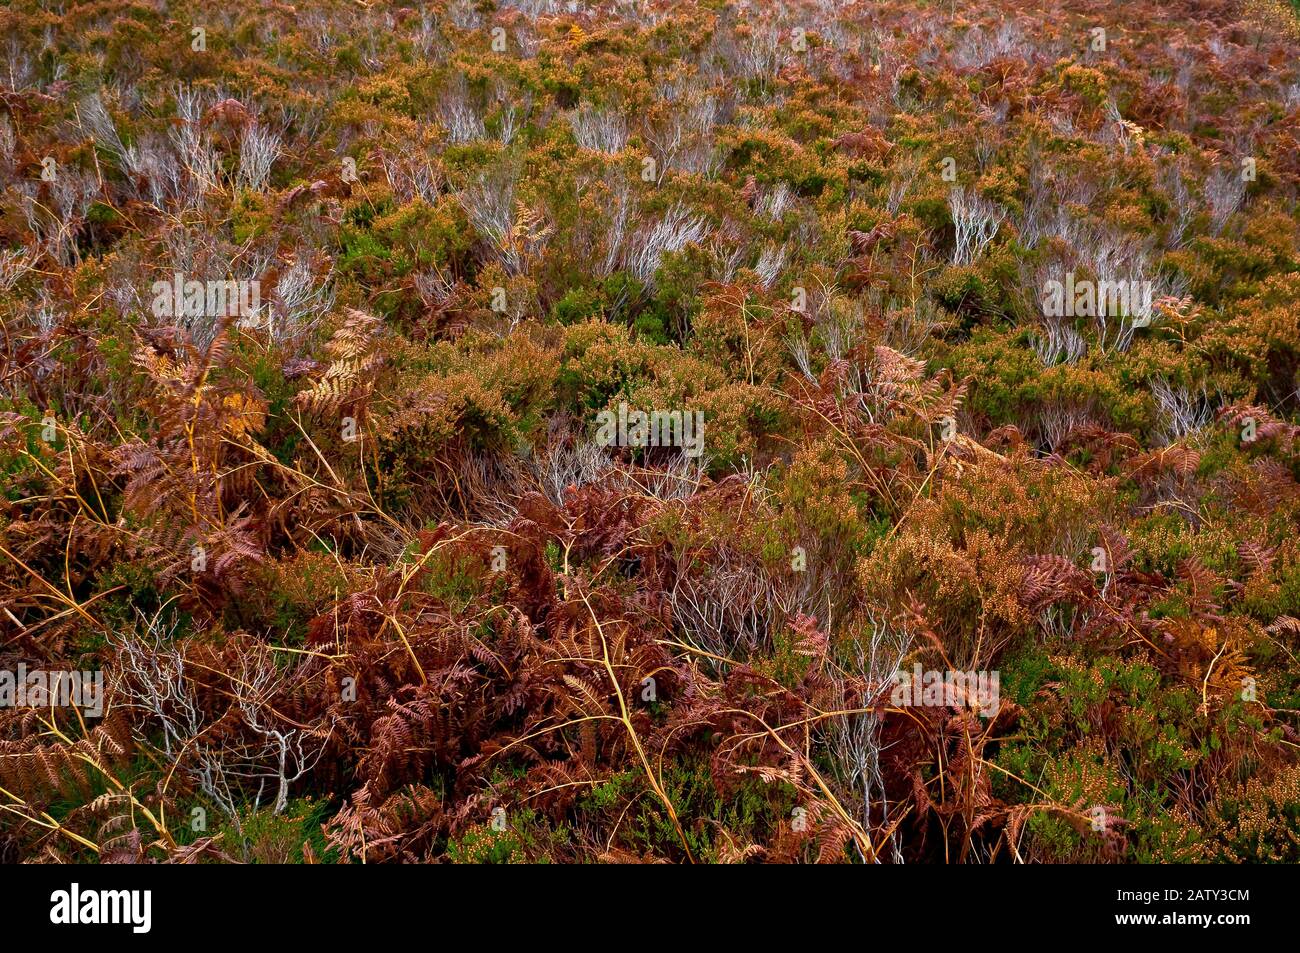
[522,430]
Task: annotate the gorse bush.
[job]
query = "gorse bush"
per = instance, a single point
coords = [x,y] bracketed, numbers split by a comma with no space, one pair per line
[692,431]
